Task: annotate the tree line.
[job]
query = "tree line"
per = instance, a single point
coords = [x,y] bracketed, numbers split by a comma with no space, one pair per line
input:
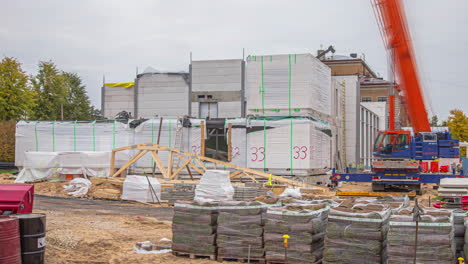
[51,94]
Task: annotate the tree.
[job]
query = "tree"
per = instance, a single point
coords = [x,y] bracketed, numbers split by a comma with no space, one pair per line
[49,84]
[434,121]
[458,124]
[16,95]
[78,106]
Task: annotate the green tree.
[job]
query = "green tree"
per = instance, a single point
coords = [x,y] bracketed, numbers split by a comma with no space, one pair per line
[434,121]
[16,95]
[49,84]
[458,124]
[78,106]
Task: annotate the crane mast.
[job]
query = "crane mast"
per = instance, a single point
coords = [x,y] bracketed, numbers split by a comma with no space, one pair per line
[392,21]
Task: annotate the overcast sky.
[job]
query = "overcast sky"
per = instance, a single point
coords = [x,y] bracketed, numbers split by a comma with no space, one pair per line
[112,38]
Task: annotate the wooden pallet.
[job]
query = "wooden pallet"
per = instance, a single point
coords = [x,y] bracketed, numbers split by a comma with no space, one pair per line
[192,256]
[242,260]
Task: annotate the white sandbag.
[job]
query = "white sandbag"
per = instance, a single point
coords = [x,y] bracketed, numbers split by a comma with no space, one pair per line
[78,187]
[137,188]
[291,192]
[215,185]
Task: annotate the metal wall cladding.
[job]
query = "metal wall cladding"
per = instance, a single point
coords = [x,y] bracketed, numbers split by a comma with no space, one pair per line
[10,246]
[117,99]
[283,82]
[162,94]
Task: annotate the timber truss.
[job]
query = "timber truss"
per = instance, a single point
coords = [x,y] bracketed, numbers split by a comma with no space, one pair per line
[190,161]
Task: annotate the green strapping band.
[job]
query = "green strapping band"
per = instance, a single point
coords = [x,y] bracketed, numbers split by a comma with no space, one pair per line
[74,136]
[94,135]
[264,120]
[291,120]
[35,135]
[113,135]
[53,136]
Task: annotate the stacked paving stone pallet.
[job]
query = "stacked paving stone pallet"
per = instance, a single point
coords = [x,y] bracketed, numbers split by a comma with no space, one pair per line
[248,193]
[459,230]
[240,230]
[304,224]
[436,242]
[194,228]
[180,192]
[356,233]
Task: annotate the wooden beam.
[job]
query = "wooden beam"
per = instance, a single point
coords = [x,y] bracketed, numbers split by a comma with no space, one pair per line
[200,164]
[234,174]
[202,139]
[169,163]
[180,169]
[190,164]
[159,163]
[189,172]
[112,164]
[130,162]
[229,142]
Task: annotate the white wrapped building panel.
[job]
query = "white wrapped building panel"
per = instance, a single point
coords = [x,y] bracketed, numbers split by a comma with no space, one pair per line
[278,84]
[118,99]
[162,94]
[229,109]
[288,146]
[238,141]
[49,136]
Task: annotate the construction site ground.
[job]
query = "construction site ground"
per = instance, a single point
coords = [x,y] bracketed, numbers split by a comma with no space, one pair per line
[103,229]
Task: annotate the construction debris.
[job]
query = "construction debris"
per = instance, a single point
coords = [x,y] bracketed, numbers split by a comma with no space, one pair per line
[304,224]
[78,187]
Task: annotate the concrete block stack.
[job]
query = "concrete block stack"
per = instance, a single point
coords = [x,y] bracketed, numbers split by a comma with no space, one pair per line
[180,192]
[194,228]
[240,230]
[248,193]
[459,230]
[356,233]
[436,242]
[304,224]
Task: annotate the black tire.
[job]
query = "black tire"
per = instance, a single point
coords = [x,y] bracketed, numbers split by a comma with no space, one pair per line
[378,187]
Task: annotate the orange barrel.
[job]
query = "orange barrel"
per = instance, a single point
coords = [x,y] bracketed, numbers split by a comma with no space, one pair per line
[10,247]
[33,232]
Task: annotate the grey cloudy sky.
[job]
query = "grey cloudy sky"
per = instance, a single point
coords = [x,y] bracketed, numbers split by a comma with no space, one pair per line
[95,38]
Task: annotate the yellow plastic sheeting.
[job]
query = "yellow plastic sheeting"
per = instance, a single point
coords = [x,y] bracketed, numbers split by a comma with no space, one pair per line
[121,84]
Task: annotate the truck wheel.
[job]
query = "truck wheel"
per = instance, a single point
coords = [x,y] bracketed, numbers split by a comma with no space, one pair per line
[378,187]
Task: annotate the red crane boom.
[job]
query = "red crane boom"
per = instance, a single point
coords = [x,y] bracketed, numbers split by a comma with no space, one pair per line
[397,37]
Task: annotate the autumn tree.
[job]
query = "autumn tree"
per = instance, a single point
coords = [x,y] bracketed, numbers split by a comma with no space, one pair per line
[458,124]
[16,95]
[434,121]
[49,84]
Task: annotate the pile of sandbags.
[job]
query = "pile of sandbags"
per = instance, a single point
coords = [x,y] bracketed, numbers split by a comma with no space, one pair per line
[304,224]
[194,228]
[356,233]
[436,244]
[240,230]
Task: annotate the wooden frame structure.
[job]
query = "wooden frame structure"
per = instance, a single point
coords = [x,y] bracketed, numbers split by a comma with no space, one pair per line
[190,161]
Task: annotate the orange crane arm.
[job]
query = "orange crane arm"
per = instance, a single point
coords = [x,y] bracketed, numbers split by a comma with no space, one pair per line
[398,40]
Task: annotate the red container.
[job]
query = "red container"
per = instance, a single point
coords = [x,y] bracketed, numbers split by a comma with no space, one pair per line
[10,246]
[445,168]
[424,166]
[434,166]
[16,198]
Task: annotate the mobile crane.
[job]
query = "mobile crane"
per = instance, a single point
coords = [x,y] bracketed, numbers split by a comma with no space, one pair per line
[397,153]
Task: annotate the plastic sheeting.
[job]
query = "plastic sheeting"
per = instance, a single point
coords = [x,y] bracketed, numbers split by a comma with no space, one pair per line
[294,84]
[78,187]
[215,185]
[141,188]
[238,140]
[288,146]
[51,165]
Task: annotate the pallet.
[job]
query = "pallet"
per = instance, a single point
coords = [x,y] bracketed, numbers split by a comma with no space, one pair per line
[192,256]
[242,260]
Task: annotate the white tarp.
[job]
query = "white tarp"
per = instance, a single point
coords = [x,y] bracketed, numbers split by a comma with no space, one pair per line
[78,187]
[238,140]
[141,188]
[215,185]
[288,85]
[288,146]
[52,165]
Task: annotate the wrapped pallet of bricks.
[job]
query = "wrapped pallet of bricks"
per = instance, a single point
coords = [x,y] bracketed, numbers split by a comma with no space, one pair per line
[356,233]
[240,230]
[435,243]
[459,230]
[194,229]
[304,224]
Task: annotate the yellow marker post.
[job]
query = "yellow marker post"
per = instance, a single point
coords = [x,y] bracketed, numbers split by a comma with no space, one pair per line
[461,260]
[270,179]
[285,244]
